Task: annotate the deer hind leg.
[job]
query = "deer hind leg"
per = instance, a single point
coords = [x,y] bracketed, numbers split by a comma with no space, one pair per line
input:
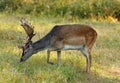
[86,53]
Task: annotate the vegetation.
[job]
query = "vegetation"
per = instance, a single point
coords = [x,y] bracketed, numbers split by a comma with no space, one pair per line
[71,9]
[105,55]
[44,14]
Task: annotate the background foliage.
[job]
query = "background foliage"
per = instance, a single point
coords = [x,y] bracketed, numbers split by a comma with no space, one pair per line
[65,8]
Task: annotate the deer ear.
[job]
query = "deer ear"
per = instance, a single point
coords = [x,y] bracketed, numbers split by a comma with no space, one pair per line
[30,42]
[30,46]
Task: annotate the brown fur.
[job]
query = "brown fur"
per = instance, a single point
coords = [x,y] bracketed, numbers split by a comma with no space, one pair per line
[73,35]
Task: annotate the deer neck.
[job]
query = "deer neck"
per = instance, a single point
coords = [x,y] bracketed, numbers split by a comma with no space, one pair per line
[41,44]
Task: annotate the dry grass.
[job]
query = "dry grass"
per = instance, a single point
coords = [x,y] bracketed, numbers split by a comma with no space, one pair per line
[105,61]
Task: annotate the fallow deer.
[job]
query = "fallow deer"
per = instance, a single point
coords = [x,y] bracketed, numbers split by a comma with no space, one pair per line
[61,37]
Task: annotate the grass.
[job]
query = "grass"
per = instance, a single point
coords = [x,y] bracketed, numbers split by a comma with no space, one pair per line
[105,55]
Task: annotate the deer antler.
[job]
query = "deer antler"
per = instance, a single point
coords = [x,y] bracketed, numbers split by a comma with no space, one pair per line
[28,29]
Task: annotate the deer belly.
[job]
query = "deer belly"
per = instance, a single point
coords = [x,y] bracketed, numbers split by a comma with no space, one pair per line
[72,47]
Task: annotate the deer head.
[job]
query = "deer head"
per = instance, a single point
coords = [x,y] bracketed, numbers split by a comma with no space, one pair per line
[27,46]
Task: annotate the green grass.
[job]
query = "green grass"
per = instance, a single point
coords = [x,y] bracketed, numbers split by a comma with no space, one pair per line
[105,55]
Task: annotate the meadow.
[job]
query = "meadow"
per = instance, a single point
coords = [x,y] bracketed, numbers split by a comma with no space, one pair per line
[105,54]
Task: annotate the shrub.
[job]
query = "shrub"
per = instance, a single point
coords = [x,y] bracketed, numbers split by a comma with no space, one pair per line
[63,8]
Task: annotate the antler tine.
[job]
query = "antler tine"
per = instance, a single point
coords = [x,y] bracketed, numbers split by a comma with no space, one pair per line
[24,21]
[28,29]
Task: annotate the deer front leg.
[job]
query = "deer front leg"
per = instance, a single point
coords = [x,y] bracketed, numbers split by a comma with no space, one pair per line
[59,56]
[48,57]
